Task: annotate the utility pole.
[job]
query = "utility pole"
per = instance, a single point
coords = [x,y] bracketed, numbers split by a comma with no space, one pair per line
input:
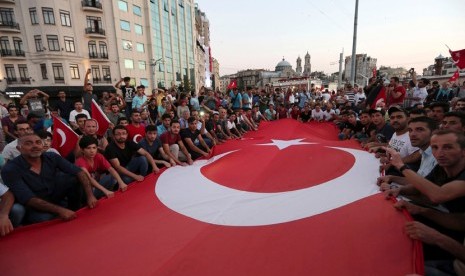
[354,46]
[154,63]
[339,80]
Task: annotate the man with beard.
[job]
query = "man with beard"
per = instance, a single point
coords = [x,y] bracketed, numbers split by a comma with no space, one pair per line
[454,120]
[45,182]
[420,130]
[193,140]
[174,147]
[438,109]
[128,158]
[381,132]
[136,131]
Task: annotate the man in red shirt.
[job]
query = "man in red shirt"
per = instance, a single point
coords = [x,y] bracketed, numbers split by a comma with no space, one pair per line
[136,131]
[395,92]
[174,147]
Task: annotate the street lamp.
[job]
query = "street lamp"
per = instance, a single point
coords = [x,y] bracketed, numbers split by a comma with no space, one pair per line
[154,63]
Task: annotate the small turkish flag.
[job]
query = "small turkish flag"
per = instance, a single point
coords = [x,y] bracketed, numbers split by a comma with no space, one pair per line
[455,76]
[232,84]
[64,139]
[102,120]
[374,71]
[458,57]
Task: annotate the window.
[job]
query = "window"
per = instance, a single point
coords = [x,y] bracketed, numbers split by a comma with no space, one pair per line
[106,73]
[18,44]
[58,73]
[5,46]
[7,17]
[142,65]
[53,43]
[103,49]
[144,82]
[49,18]
[127,45]
[38,42]
[34,17]
[10,73]
[69,44]
[140,47]
[74,70]
[125,26]
[138,29]
[65,18]
[23,73]
[96,74]
[123,5]
[43,70]
[94,25]
[137,10]
[92,49]
[128,63]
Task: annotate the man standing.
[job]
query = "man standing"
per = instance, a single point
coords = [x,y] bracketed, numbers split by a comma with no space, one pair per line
[64,105]
[8,123]
[127,157]
[43,181]
[36,101]
[395,92]
[140,99]
[128,93]
[88,95]
[419,91]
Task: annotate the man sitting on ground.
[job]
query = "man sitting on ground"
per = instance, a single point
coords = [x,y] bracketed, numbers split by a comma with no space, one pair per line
[42,181]
[174,147]
[127,157]
[193,140]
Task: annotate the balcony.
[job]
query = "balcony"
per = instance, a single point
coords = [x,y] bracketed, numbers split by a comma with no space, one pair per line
[59,80]
[9,54]
[101,80]
[7,1]
[98,55]
[18,81]
[91,6]
[9,26]
[95,32]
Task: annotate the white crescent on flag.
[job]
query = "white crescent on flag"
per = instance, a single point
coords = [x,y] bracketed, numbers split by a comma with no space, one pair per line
[187,191]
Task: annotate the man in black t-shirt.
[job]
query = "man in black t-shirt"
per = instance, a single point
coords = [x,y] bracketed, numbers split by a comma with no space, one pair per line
[194,142]
[129,159]
[128,91]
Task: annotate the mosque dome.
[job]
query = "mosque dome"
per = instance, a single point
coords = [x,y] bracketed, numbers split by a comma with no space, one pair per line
[283,64]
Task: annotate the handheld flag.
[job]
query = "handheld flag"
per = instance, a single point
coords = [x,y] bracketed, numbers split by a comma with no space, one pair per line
[64,139]
[455,76]
[103,123]
[458,57]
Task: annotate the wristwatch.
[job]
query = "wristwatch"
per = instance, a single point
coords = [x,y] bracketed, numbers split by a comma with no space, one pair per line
[404,167]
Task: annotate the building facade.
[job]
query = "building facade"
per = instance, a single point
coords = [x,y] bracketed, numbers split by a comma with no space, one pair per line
[50,44]
[364,66]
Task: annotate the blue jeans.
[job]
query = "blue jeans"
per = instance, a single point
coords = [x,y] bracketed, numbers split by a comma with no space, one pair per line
[16,215]
[108,182]
[137,165]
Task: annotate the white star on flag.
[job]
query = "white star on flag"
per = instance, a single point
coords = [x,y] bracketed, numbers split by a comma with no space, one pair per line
[282,144]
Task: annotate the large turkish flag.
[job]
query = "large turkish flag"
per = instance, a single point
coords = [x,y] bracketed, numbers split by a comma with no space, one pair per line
[289,199]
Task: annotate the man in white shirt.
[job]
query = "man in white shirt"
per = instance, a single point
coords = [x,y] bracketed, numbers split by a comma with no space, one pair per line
[78,109]
[419,91]
[21,128]
[318,114]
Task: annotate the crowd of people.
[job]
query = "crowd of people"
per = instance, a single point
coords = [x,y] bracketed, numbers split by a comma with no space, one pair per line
[415,128]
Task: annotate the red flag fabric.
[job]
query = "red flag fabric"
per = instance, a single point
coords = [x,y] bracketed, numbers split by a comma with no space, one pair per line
[288,199]
[455,76]
[103,123]
[374,71]
[458,57]
[64,139]
[232,84]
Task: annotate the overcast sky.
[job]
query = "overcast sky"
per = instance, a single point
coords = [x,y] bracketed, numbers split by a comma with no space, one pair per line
[256,34]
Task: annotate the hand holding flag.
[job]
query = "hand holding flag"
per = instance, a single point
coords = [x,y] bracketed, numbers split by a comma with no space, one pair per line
[103,123]
[64,139]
